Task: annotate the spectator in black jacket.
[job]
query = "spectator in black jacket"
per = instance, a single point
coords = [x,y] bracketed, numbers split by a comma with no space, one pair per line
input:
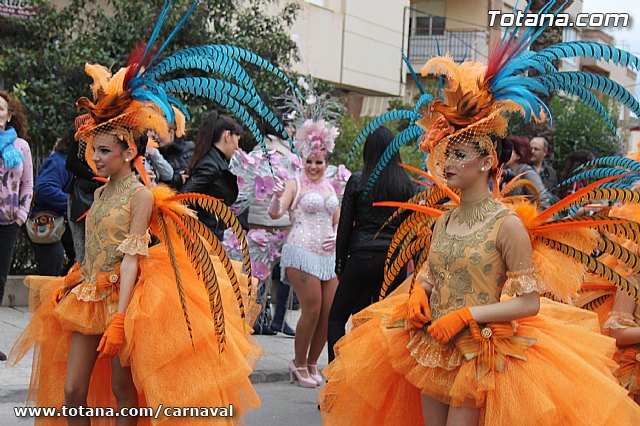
[80,197]
[208,171]
[360,257]
[177,152]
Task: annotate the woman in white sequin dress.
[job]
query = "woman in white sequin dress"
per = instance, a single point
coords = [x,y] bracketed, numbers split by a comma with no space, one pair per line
[308,256]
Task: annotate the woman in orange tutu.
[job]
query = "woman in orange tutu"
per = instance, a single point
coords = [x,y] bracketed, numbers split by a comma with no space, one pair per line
[469,341]
[164,328]
[119,315]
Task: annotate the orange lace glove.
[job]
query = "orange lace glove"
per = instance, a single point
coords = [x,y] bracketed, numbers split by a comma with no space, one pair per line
[112,339]
[444,328]
[418,306]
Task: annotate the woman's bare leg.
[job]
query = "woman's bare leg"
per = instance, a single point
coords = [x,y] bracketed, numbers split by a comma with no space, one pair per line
[463,416]
[309,292]
[320,334]
[124,391]
[82,357]
[434,413]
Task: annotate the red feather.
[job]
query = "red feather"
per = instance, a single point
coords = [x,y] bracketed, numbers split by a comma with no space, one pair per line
[135,61]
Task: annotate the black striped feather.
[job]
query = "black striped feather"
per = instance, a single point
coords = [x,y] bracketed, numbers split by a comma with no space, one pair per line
[622,195]
[403,257]
[219,251]
[593,265]
[430,197]
[413,221]
[176,270]
[223,212]
[620,252]
[597,302]
[206,271]
[628,229]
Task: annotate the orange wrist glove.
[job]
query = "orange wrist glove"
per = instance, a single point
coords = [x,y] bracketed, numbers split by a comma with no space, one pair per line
[112,339]
[58,294]
[418,306]
[444,328]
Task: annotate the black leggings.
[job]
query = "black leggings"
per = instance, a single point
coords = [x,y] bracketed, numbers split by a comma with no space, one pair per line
[359,286]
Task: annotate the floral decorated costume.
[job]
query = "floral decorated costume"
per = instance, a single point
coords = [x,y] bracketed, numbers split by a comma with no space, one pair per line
[523,372]
[311,214]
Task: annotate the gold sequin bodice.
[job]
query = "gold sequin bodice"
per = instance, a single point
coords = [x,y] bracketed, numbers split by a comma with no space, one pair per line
[107,225]
[466,270]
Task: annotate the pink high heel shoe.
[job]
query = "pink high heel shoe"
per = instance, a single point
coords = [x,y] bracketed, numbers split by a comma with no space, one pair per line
[305,382]
[315,376]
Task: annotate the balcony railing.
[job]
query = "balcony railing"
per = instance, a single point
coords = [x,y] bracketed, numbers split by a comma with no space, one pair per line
[462,45]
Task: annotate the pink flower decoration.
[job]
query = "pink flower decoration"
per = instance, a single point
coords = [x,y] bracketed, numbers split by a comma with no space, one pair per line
[316,137]
[343,173]
[295,160]
[244,157]
[264,187]
[232,241]
[259,236]
[282,173]
[241,182]
[274,158]
[338,188]
[260,270]
[273,253]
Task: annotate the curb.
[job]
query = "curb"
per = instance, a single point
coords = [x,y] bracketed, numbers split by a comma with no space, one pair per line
[269,376]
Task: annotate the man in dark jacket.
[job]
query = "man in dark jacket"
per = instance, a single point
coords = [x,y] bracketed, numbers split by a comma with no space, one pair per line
[177,152]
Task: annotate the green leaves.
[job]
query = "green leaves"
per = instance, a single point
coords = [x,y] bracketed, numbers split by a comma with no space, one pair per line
[45,55]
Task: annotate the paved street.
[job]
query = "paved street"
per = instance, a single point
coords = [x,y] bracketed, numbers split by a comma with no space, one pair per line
[283,403]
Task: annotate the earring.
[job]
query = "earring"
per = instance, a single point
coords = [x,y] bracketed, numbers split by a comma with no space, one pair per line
[482,169]
[127,160]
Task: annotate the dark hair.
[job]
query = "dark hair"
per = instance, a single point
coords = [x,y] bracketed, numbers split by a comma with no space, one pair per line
[393,184]
[140,142]
[18,119]
[62,145]
[267,129]
[209,133]
[521,147]
[573,160]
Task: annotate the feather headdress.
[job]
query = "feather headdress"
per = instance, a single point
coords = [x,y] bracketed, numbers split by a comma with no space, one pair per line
[314,117]
[136,99]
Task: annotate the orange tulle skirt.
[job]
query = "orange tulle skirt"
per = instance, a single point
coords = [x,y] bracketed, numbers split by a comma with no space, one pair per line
[167,367]
[567,377]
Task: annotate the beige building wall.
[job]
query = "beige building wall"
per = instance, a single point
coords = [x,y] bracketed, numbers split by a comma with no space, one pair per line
[354,44]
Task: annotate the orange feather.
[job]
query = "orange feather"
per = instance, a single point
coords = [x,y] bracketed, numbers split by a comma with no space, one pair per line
[408,206]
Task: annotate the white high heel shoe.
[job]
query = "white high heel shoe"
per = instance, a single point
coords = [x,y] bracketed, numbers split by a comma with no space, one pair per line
[315,376]
[305,382]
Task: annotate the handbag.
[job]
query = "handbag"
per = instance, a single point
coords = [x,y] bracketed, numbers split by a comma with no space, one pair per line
[45,227]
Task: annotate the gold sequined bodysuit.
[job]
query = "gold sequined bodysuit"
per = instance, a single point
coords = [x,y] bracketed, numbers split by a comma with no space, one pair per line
[94,294]
[464,270]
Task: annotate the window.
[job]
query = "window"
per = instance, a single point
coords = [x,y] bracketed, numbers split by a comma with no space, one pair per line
[428,25]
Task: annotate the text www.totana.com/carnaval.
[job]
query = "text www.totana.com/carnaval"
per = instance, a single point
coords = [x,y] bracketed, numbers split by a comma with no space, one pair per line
[159,411]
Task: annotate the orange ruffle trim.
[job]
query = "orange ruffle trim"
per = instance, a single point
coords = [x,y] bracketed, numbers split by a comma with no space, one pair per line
[167,367]
[377,380]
